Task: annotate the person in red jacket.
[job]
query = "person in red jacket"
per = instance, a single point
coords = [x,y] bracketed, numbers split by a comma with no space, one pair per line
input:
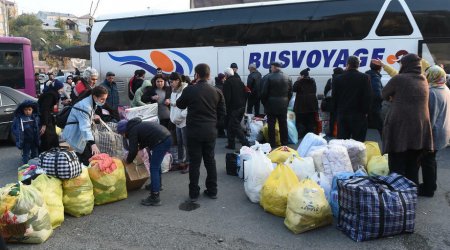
[87,82]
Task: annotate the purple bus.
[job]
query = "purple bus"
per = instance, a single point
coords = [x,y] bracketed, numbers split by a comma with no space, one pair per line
[16,64]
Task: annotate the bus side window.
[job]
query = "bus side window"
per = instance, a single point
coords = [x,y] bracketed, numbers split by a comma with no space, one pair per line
[394,21]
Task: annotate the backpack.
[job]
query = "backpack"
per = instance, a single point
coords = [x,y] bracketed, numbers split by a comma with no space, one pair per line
[63,115]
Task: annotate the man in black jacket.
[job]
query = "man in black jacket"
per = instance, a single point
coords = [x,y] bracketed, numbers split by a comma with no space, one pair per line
[155,138]
[352,98]
[254,84]
[276,93]
[206,107]
[234,94]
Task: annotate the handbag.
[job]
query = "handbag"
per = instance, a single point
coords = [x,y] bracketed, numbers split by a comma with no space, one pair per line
[60,163]
[107,140]
[375,207]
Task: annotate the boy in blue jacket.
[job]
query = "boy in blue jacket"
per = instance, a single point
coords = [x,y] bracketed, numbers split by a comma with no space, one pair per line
[26,127]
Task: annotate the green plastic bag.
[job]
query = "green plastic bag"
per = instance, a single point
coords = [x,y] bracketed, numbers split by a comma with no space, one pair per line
[78,198]
[108,187]
[24,216]
[51,190]
[378,165]
[307,207]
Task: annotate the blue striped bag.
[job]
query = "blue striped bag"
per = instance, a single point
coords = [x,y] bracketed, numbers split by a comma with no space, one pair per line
[375,207]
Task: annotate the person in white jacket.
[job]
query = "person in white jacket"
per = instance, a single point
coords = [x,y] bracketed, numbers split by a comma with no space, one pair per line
[178,117]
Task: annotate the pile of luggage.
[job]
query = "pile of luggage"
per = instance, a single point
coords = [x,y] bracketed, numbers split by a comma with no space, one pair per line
[344,179]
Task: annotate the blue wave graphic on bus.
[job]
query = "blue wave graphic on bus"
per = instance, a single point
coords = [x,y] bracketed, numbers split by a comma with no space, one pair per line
[159,60]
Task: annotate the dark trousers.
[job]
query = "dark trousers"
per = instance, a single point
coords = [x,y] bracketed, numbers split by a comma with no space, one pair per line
[165,123]
[85,156]
[375,121]
[157,152]
[306,123]
[199,149]
[405,163]
[332,122]
[282,123]
[429,171]
[234,127]
[29,151]
[49,139]
[352,126]
[253,101]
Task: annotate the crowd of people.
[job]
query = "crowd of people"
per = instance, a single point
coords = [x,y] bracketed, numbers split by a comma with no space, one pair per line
[411,113]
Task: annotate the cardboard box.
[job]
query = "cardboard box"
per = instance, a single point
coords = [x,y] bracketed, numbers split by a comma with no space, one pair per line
[136,175]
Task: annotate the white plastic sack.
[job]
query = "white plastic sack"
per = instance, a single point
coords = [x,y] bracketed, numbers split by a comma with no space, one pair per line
[316,153]
[309,141]
[265,148]
[302,167]
[254,128]
[335,159]
[143,112]
[292,101]
[245,154]
[323,182]
[356,151]
[257,170]
[166,164]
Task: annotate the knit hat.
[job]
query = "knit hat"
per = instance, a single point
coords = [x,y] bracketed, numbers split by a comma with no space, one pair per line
[122,126]
[305,72]
[221,76]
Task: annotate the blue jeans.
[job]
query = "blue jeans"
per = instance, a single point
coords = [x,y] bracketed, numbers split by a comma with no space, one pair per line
[182,145]
[157,156]
[29,148]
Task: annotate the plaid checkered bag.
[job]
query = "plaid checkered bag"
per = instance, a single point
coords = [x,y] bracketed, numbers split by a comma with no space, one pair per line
[375,207]
[60,163]
[107,140]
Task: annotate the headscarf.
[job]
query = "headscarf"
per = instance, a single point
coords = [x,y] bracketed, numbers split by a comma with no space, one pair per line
[436,76]
[122,126]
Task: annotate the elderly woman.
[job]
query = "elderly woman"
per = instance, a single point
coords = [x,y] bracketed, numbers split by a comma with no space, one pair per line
[78,132]
[90,77]
[439,106]
[46,101]
[407,128]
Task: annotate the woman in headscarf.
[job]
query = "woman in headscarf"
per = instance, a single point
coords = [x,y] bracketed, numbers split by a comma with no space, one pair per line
[439,106]
[407,128]
[47,101]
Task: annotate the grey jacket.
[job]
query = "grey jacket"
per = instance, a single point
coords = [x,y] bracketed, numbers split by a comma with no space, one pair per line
[439,104]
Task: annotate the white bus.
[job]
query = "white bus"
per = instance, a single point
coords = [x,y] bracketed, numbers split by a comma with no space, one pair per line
[317,34]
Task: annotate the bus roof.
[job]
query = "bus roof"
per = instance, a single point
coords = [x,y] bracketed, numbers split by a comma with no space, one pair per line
[17,40]
[162,12]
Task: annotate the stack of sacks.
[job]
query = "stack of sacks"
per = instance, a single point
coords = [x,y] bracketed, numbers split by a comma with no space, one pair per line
[276,189]
[78,195]
[356,151]
[316,153]
[24,217]
[310,140]
[51,190]
[335,159]
[108,179]
[257,170]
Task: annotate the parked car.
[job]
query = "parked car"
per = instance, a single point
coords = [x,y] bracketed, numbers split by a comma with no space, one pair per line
[9,100]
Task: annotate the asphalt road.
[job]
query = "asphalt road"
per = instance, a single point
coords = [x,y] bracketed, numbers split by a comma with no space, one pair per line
[230,222]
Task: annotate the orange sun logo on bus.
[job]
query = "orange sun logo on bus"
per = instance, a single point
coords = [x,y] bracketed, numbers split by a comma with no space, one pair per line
[158,60]
[391,59]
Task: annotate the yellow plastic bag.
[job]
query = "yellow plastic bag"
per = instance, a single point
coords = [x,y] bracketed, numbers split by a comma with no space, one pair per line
[78,198]
[23,215]
[276,189]
[58,130]
[281,154]
[277,134]
[108,187]
[51,190]
[307,208]
[378,165]
[372,149]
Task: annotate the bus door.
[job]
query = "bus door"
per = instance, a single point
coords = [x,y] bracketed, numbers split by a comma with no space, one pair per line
[437,51]
[227,56]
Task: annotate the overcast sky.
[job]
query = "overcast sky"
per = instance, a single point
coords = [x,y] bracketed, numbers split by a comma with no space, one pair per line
[81,7]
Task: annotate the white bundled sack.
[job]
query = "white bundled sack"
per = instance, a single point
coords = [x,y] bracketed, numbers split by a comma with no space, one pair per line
[356,151]
[323,182]
[265,148]
[310,140]
[335,159]
[302,167]
[254,128]
[245,154]
[257,170]
[316,153]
